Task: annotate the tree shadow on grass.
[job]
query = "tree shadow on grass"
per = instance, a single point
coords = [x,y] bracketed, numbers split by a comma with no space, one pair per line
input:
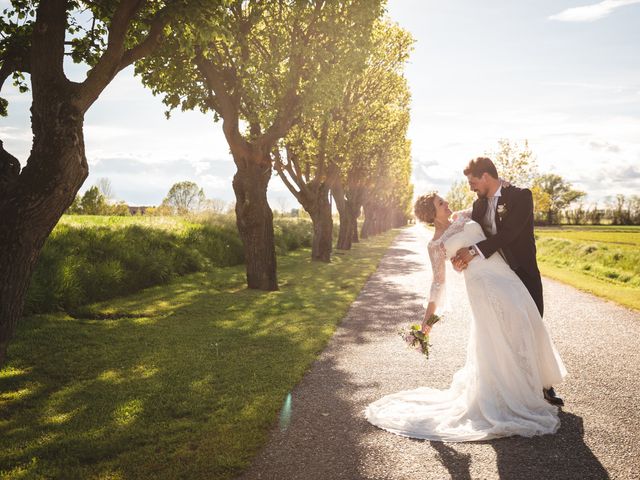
[179,381]
[327,437]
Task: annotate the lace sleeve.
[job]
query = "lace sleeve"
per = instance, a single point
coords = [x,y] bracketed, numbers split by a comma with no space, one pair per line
[466,214]
[438,264]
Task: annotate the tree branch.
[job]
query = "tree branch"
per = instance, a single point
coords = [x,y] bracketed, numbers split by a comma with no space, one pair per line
[150,43]
[16,58]
[47,48]
[278,166]
[226,105]
[110,61]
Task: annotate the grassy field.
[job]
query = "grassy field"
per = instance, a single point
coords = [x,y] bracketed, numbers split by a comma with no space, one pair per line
[603,260]
[178,381]
[94,258]
[174,223]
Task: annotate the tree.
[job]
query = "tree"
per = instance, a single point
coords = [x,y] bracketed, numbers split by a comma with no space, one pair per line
[120,209]
[214,205]
[75,208]
[515,163]
[270,61]
[369,121]
[35,38]
[634,209]
[460,196]
[313,147]
[619,214]
[104,185]
[184,197]
[541,201]
[386,203]
[560,194]
[93,202]
[595,215]
[307,173]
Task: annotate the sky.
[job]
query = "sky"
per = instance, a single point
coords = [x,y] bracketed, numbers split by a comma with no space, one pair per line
[565,75]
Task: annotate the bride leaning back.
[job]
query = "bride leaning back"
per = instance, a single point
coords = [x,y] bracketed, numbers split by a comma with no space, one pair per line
[510,356]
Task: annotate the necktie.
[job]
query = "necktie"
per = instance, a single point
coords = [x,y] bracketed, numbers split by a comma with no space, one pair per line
[491,215]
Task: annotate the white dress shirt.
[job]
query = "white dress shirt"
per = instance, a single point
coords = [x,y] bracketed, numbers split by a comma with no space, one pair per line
[490,215]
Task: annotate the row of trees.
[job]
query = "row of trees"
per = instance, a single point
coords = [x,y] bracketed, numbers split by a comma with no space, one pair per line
[314,88]
[618,210]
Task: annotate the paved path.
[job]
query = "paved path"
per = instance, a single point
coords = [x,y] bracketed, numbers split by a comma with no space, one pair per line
[328,438]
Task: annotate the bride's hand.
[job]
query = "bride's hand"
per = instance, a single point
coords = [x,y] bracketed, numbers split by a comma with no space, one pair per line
[426,328]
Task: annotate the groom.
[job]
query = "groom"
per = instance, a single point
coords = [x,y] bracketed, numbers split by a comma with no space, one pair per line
[506,216]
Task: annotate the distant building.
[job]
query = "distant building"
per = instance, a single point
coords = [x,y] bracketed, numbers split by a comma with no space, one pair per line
[138,210]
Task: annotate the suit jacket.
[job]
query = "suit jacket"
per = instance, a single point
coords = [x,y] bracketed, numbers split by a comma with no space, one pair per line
[514,224]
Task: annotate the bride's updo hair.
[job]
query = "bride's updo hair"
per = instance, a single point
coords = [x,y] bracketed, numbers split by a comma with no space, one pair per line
[424,208]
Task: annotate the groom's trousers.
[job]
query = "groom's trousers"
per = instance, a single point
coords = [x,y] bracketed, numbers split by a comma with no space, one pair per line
[534,285]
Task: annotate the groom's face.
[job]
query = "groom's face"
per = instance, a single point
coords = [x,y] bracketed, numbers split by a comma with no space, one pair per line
[480,185]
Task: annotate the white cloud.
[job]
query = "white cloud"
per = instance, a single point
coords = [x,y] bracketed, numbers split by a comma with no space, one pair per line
[590,13]
[606,146]
[15,133]
[108,133]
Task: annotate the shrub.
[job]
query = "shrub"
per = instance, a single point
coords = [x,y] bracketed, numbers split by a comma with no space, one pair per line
[85,261]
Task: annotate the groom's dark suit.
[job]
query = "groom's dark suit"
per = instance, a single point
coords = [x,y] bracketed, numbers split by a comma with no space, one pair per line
[514,237]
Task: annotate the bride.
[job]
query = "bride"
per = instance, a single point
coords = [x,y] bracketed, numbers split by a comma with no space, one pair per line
[510,356]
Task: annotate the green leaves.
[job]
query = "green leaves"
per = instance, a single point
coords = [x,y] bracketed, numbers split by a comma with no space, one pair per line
[184,197]
[356,127]
[559,192]
[88,25]
[260,62]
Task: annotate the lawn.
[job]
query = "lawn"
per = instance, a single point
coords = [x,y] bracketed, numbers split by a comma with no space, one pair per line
[603,260]
[178,381]
[95,258]
[174,223]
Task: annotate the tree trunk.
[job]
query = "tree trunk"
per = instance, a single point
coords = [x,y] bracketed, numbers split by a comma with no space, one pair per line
[322,227]
[255,222]
[354,210]
[345,229]
[367,225]
[32,202]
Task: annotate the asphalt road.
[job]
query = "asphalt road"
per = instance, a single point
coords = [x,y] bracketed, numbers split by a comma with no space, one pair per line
[327,437]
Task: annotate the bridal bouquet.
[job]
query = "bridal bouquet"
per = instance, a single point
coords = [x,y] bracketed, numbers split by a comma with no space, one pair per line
[416,339]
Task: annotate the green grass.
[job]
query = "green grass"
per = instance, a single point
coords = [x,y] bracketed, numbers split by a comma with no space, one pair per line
[178,381]
[603,260]
[92,258]
[173,223]
[606,234]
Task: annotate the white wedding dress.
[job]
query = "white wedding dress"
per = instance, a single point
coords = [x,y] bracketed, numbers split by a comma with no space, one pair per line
[510,358]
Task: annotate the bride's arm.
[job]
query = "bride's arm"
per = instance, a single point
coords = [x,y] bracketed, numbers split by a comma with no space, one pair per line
[437,290]
[466,214]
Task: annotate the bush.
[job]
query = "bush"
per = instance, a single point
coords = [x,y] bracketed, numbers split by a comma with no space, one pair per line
[85,262]
[292,234]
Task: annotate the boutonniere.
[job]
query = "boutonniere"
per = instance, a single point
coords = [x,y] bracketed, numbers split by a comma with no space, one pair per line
[502,210]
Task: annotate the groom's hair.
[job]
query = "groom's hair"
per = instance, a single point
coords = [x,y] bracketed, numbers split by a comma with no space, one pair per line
[481,165]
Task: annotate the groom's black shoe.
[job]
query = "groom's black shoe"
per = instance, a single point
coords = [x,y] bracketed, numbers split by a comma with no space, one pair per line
[551,397]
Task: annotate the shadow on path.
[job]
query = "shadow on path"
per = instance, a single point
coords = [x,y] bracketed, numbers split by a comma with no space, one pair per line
[563,456]
[329,438]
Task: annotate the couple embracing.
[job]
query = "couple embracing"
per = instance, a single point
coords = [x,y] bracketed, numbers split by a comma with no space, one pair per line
[506,385]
